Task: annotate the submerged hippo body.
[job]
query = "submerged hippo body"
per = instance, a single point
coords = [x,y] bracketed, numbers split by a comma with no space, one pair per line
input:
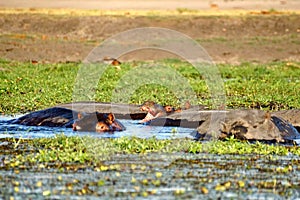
[63,117]
[249,125]
[292,116]
[52,117]
[243,124]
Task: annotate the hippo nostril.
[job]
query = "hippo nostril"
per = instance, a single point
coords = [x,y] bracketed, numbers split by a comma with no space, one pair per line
[74,127]
[116,127]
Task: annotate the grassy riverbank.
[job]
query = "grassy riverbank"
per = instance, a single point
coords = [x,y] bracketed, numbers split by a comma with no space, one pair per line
[26,87]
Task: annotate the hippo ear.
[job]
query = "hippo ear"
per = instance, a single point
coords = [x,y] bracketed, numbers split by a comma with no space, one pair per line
[268,115]
[187,105]
[111,117]
[169,109]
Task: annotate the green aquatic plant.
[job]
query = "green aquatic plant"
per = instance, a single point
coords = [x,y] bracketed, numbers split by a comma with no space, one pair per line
[88,150]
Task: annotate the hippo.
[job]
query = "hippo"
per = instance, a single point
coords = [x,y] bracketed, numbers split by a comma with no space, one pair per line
[97,122]
[253,124]
[248,125]
[63,117]
[244,124]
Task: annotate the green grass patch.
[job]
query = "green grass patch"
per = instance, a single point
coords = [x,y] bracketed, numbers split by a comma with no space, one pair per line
[93,151]
[27,87]
[268,86]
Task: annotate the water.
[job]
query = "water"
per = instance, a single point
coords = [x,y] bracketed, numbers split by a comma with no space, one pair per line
[182,175]
[133,128]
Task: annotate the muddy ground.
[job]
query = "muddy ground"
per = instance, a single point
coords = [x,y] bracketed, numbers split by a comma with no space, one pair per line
[255,37]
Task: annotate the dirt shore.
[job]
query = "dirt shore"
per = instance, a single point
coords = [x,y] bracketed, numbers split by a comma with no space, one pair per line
[270,33]
[155,4]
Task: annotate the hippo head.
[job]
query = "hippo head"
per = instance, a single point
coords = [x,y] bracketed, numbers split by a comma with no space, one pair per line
[97,122]
[109,124]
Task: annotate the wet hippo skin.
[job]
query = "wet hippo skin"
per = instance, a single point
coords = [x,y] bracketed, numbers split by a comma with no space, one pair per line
[248,125]
[66,115]
[244,124]
[52,117]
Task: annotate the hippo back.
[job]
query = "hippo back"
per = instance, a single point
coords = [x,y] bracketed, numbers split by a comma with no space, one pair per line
[52,117]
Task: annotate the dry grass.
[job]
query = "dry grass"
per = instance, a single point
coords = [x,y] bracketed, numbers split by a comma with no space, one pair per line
[177,12]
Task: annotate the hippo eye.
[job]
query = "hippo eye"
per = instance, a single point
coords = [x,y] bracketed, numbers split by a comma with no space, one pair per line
[101,127]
